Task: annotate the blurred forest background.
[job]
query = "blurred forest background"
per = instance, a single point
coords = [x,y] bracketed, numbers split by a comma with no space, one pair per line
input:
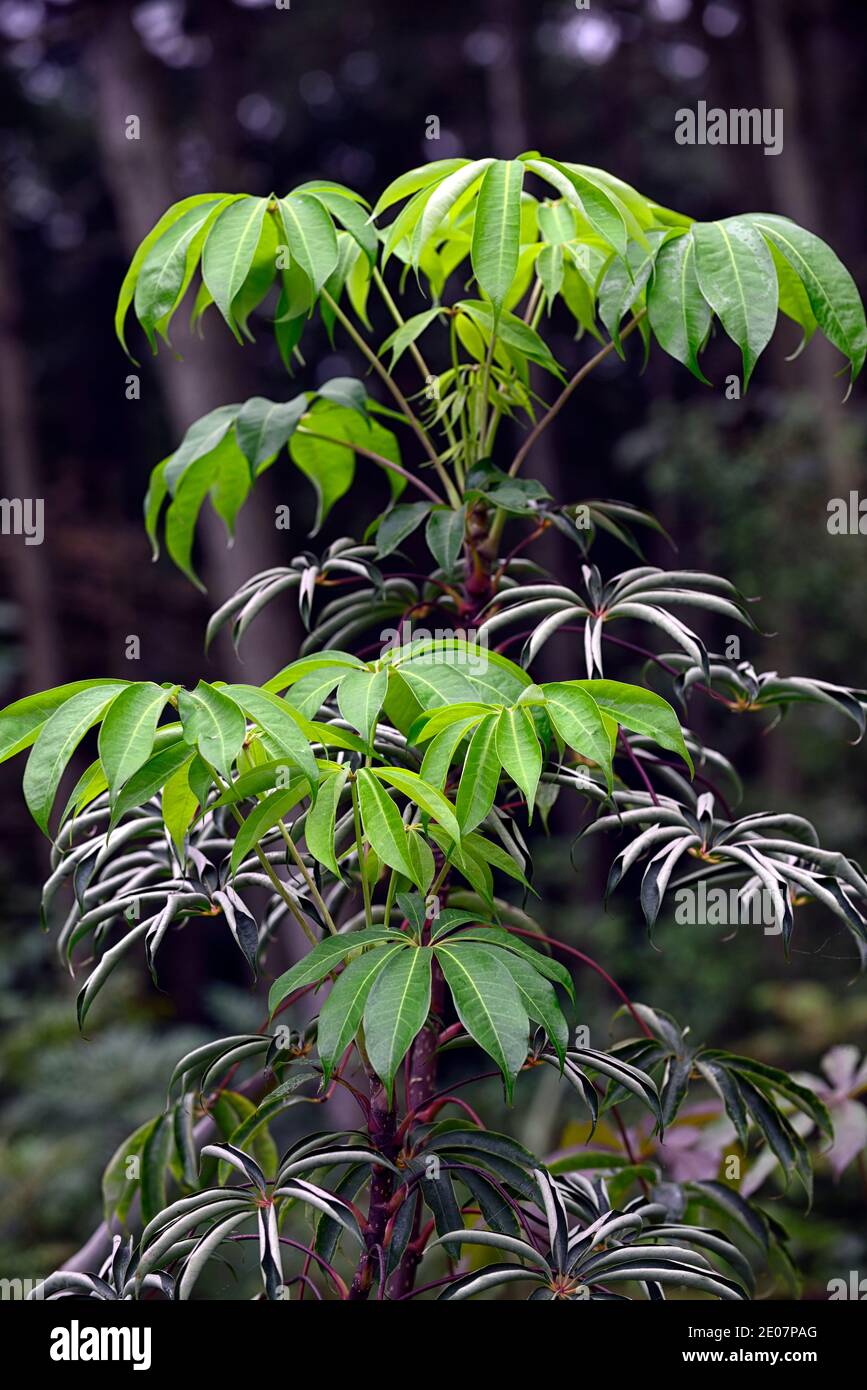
[243,95]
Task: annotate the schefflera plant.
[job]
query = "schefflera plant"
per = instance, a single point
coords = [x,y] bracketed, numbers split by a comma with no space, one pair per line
[374,804]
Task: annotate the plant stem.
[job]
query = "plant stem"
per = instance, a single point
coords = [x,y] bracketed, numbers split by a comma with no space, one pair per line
[405,407]
[496,529]
[308,879]
[564,395]
[414,349]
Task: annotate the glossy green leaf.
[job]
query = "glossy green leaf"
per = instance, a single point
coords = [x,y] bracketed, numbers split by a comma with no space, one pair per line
[263,427]
[276,718]
[179,804]
[832,292]
[168,267]
[679,315]
[321,819]
[737,278]
[480,776]
[310,237]
[126,738]
[360,698]
[383,826]
[397,524]
[58,739]
[264,817]
[213,724]
[396,1010]
[229,250]
[577,719]
[20,722]
[496,229]
[444,534]
[325,956]
[342,1012]
[517,748]
[488,1004]
[423,794]
[640,710]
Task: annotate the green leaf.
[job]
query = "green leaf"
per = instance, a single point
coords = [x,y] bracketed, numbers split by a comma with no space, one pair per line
[551,272]
[737,278]
[428,797]
[325,957]
[832,292]
[513,333]
[589,197]
[329,466]
[538,998]
[488,1005]
[166,222]
[229,250]
[58,739]
[200,440]
[342,1011]
[439,753]
[396,1010]
[152,776]
[264,817]
[168,268]
[444,534]
[277,719]
[260,277]
[320,822]
[542,964]
[518,750]
[179,804]
[640,710]
[310,237]
[496,230]
[678,313]
[120,1181]
[213,724]
[263,427]
[384,828]
[20,722]
[397,524]
[480,776]
[443,199]
[155,1156]
[406,333]
[360,698]
[126,738]
[576,717]
[414,180]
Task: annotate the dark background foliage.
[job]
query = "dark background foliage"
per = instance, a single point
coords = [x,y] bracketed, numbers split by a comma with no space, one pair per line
[244,95]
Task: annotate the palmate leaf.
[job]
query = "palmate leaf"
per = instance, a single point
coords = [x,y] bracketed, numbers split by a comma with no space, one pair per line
[226,449]
[745,850]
